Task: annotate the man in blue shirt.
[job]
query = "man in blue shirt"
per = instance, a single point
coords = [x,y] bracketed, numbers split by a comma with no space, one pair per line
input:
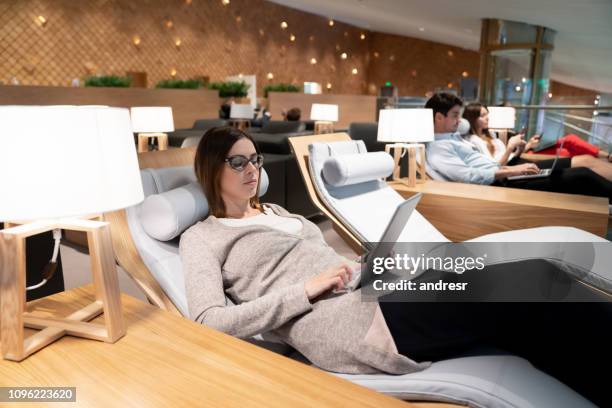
[455,159]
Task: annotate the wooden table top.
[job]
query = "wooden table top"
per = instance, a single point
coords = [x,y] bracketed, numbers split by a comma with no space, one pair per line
[573,202]
[165,360]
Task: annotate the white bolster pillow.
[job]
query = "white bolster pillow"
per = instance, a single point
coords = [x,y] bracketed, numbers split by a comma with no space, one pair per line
[356,168]
[167,215]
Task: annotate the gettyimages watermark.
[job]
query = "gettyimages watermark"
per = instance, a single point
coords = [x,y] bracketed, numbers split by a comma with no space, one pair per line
[488,272]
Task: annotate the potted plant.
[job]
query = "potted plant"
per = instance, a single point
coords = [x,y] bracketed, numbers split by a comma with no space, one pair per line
[280,88]
[108,81]
[179,84]
[231,90]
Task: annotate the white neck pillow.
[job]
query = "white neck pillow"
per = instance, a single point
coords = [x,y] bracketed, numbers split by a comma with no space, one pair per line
[347,169]
[166,215]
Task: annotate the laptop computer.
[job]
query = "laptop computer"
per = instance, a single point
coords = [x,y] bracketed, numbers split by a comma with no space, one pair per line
[543,172]
[545,143]
[389,238]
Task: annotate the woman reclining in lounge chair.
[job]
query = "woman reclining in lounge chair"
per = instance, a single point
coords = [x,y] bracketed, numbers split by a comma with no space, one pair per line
[285,282]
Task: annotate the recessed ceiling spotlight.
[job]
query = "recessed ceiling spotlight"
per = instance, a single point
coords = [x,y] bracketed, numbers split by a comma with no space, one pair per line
[344,55]
[284,25]
[313,61]
[330,22]
[354,71]
[421,29]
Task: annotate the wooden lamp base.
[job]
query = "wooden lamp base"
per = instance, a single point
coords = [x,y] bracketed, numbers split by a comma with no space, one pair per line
[143,141]
[14,316]
[414,167]
[322,127]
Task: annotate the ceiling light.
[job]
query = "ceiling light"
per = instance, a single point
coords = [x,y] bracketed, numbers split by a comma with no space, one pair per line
[421,29]
[517,88]
[136,40]
[169,24]
[270,75]
[292,38]
[595,113]
[313,61]
[41,20]
[354,71]
[523,79]
[449,85]
[549,95]
[178,42]
[173,72]
[343,55]
[329,85]
[330,22]
[284,25]
[450,53]
[225,2]
[465,74]
[596,101]
[362,36]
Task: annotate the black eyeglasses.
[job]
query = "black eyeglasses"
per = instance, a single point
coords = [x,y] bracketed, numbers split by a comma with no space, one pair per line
[239,162]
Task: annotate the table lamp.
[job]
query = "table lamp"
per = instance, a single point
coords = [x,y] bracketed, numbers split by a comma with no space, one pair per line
[324,116]
[60,163]
[501,118]
[152,123]
[406,130]
[241,115]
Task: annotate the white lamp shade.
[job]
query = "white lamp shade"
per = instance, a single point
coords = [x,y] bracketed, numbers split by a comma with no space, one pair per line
[152,119]
[324,112]
[66,161]
[405,125]
[501,117]
[241,111]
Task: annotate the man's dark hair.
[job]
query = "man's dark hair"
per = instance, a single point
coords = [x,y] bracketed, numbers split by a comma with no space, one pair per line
[443,102]
[294,114]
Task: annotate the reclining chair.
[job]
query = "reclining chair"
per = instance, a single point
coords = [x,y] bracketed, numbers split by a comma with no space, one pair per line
[145,239]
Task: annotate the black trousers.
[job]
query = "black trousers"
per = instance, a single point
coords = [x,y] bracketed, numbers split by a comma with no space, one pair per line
[564,179]
[570,341]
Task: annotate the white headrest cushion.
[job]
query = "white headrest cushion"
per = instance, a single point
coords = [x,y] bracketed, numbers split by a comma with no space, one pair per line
[347,169]
[464,126]
[166,215]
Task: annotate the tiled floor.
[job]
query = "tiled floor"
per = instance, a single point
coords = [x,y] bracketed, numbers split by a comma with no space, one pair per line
[77,270]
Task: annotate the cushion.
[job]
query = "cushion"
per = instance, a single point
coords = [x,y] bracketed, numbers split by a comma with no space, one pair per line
[166,215]
[357,168]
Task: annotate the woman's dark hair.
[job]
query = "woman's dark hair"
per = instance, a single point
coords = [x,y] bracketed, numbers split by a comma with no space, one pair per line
[209,162]
[443,102]
[471,113]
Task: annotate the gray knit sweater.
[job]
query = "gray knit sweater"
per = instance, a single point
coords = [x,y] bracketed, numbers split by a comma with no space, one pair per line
[263,271]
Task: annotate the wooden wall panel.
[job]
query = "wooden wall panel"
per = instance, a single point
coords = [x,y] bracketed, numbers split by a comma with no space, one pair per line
[187,105]
[351,108]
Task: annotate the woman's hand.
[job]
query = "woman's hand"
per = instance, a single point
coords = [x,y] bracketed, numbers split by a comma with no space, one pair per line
[333,278]
[524,169]
[516,142]
[533,142]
